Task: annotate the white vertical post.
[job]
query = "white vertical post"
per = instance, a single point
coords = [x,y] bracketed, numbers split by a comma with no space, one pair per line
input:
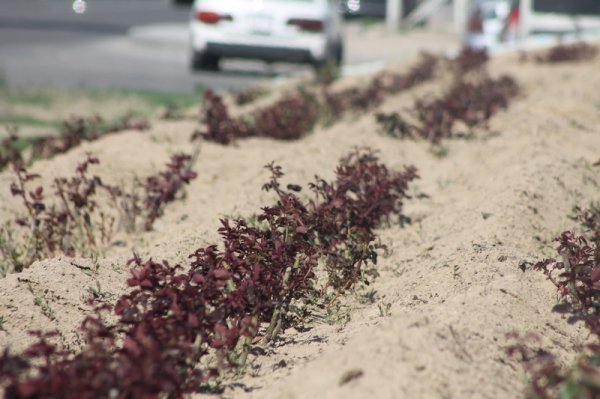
[460,14]
[524,19]
[393,14]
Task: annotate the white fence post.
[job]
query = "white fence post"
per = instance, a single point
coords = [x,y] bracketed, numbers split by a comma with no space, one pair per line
[460,15]
[524,19]
[393,14]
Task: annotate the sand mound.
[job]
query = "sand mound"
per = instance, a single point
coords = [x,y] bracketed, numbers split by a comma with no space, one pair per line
[454,282]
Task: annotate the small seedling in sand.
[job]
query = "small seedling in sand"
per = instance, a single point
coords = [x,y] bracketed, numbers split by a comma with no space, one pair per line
[369,297]
[385,309]
[39,299]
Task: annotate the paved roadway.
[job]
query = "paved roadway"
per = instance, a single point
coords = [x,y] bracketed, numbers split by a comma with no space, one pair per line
[43,42]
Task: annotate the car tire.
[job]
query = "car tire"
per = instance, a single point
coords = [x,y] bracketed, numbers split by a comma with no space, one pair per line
[334,56]
[338,54]
[202,61]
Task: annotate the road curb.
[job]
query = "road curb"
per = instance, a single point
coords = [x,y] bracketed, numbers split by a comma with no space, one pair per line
[364,68]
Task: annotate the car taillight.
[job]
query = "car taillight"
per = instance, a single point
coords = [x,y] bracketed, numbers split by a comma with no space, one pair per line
[212,17]
[476,23]
[513,17]
[311,25]
[510,32]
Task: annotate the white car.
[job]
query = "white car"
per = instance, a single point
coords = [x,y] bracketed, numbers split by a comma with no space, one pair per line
[300,31]
[486,23]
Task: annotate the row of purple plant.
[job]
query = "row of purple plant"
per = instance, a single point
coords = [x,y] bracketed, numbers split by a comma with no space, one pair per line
[472,99]
[295,114]
[180,325]
[76,220]
[73,133]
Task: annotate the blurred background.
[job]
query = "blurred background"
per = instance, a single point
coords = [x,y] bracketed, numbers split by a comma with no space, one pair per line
[145,43]
[105,49]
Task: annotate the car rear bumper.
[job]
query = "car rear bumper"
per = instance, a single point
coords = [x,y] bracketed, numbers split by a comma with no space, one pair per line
[263,53]
[297,48]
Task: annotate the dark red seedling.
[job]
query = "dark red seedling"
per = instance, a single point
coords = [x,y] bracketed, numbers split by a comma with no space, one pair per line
[62,221]
[220,127]
[394,125]
[173,317]
[10,153]
[420,73]
[471,102]
[295,115]
[249,95]
[161,189]
[469,59]
[568,53]
[290,118]
[576,274]
[77,130]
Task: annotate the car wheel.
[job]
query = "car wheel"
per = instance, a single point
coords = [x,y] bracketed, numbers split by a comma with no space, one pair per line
[339,54]
[202,61]
[334,57]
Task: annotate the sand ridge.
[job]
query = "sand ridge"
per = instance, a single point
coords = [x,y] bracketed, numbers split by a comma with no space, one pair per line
[449,289]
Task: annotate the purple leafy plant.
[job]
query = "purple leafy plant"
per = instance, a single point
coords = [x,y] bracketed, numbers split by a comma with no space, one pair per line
[226,299]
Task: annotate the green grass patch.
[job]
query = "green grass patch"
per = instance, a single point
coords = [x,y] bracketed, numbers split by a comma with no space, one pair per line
[47,107]
[153,98]
[25,120]
[142,99]
[29,97]
[24,142]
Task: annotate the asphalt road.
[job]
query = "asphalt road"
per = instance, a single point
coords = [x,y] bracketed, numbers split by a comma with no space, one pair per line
[44,42]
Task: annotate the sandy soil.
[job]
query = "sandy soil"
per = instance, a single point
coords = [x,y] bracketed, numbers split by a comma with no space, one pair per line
[451,286]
